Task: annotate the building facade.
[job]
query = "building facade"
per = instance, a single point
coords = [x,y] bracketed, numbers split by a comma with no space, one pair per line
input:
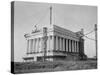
[54,43]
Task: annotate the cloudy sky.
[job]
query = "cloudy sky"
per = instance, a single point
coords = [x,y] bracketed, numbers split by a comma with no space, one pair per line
[71,17]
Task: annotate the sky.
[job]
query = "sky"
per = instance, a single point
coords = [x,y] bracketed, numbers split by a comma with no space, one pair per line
[71,17]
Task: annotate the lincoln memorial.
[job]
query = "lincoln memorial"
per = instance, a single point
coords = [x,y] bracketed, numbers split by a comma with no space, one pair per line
[54,43]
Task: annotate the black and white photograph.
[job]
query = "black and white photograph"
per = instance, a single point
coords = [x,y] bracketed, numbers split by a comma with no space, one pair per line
[51,37]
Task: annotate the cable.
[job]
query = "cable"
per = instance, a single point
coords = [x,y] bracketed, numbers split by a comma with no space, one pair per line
[89,32]
[38,21]
[44,15]
[89,38]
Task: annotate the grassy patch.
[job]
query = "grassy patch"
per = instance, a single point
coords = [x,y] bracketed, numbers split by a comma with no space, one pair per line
[27,67]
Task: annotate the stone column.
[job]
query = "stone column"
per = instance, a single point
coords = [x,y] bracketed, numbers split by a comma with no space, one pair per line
[60,43]
[31,45]
[56,42]
[72,46]
[75,46]
[35,45]
[66,45]
[63,44]
[39,45]
[69,45]
[53,47]
[27,45]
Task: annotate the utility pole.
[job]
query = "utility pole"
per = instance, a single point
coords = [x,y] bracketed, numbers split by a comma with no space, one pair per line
[50,15]
[96,38]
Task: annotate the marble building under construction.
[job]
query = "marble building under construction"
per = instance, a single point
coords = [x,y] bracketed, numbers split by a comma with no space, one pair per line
[54,43]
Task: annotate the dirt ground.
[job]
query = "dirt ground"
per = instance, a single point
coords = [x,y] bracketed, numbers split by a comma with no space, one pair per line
[32,67]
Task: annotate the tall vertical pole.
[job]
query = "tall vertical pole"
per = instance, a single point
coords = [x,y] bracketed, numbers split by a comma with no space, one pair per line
[50,15]
[44,42]
[96,38]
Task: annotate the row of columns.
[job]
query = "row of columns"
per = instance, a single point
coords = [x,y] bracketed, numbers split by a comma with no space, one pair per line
[34,45]
[53,43]
[67,45]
